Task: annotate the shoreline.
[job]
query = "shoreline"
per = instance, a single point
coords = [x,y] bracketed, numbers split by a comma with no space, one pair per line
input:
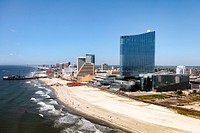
[88,103]
[87,116]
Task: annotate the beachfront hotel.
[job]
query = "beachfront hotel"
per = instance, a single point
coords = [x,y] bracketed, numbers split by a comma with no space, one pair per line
[85,67]
[89,58]
[137,54]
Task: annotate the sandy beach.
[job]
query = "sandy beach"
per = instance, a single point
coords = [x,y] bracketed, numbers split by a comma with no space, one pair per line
[127,114]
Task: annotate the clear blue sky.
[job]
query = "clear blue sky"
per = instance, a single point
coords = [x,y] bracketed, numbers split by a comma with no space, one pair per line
[51,31]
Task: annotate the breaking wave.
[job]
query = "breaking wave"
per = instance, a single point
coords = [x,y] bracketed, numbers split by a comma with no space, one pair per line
[40,92]
[41,87]
[45,107]
[53,102]
[85,125]
[67,119]
[28,82]
[49,108]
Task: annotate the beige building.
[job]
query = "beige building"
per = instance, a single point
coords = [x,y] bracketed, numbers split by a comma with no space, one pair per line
[87,69]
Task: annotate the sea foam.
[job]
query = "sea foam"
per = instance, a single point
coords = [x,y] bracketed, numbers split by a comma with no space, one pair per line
[33,99]
[45,107]
[46,96]
[28,82]
[85,125]
[68,119]
[41,103]
[43,94]
[41,115]
[54,112]
[53,102]
[40,93]
[41,87]
[48,91]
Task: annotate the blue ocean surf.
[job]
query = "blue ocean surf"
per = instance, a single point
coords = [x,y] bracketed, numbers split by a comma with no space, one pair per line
[29,106]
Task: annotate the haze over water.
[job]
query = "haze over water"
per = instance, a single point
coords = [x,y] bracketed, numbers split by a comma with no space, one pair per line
[29,106]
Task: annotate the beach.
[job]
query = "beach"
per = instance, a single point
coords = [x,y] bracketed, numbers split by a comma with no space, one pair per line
[124,113]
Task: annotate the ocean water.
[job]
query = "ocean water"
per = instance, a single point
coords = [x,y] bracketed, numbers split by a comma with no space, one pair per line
[29,106]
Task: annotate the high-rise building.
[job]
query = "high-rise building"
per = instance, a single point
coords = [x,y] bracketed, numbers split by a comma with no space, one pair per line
[80,62]
[90,58]
[137,54]
[86,69]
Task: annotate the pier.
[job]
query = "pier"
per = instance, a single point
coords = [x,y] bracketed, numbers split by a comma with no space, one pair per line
[16,77]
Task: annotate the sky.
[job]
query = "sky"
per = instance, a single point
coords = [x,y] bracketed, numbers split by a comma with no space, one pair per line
[55,31]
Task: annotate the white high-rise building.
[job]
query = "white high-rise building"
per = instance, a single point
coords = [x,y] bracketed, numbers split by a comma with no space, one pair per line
[180,70]
[80,62]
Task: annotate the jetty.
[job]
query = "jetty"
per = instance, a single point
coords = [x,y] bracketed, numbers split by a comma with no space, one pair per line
[17,77]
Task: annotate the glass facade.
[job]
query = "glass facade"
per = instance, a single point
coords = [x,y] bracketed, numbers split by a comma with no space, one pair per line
[137,54]
[90,58]
[169,79]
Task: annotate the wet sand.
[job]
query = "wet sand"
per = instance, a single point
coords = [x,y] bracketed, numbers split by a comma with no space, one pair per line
[127,114]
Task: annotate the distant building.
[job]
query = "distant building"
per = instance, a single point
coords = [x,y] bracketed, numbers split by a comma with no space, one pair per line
[137,54]
[69,71]
[57,65]
[193,72]
[180,70]
[61,66]
[80,62]
[114,72]
[66,64]
[90,58]
[104,66]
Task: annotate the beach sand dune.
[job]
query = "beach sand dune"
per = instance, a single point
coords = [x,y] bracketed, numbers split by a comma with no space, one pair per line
[127,114]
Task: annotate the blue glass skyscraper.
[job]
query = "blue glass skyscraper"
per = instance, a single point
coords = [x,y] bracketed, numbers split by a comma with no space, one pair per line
[137,54]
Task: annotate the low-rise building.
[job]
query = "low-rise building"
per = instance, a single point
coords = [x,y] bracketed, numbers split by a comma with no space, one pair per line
[170,82]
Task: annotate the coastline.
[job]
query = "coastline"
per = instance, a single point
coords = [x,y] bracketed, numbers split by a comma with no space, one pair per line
[85,115]
[95,110]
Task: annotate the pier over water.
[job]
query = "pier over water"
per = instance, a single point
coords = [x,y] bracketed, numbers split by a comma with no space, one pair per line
[16,77]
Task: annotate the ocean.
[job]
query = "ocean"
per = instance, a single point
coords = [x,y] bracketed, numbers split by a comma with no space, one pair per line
[29,106]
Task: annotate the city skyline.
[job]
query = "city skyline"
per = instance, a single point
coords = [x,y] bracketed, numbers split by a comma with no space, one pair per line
[49,32]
